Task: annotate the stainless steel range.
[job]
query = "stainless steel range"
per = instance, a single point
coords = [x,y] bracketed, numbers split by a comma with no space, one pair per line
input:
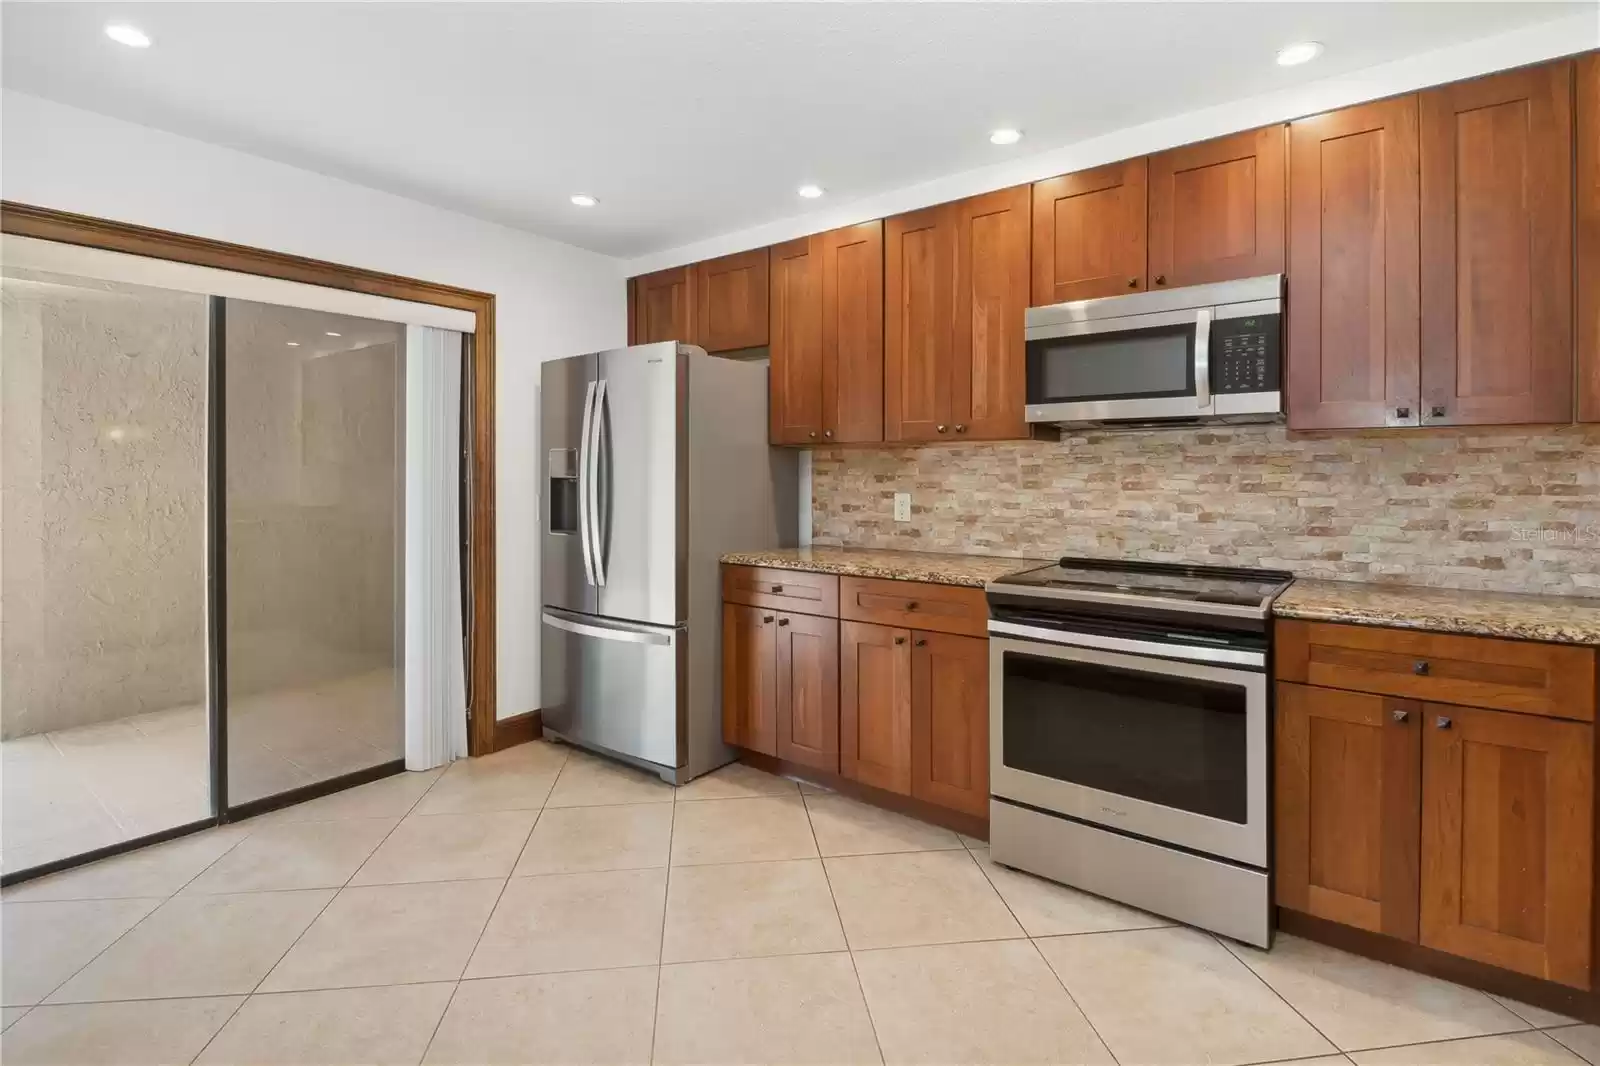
[1129,734]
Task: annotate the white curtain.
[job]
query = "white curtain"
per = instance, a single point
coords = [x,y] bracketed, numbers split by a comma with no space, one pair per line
[435,687]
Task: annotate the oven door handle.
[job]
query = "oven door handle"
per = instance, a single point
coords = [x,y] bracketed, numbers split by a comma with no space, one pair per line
[1190,652]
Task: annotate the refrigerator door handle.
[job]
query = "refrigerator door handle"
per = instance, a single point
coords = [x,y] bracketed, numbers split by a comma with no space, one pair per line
[613,631]
[585,485]
[597,538]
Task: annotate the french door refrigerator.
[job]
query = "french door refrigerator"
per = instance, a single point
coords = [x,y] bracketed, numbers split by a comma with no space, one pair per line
[655,462]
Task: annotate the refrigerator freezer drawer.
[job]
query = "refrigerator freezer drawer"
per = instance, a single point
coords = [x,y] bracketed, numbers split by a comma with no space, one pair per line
[614,684]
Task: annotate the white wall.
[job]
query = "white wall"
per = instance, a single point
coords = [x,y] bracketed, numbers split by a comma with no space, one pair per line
[552,300]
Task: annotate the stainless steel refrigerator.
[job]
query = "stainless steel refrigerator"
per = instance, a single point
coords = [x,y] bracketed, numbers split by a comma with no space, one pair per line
[655,462]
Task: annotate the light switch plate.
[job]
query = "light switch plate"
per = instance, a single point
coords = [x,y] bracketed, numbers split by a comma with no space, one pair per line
[902,507]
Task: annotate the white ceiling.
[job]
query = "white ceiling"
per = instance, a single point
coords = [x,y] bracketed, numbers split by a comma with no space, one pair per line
[686,120]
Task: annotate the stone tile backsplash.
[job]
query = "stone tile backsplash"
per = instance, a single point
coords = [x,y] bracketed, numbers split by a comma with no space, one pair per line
[1513,509]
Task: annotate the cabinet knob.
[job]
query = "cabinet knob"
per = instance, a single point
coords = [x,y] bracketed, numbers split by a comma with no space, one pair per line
[911,605]
[1161,279]
[783,621]
[828,433]
[1402,412]
[812,434]
[1420,668]
[1441,722]
[766,618]
[899,640]
[961,427]
[777,589]
[922,642]
[1133,283]
[1436,411]
[1400,716]
[941,428]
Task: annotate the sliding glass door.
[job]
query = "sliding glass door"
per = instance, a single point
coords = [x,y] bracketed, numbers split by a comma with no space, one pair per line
[312,508]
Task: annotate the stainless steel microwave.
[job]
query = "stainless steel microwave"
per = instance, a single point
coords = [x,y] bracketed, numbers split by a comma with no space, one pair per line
[1204,353]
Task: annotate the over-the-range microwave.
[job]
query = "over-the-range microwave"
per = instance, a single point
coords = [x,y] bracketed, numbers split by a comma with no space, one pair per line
[1202,353]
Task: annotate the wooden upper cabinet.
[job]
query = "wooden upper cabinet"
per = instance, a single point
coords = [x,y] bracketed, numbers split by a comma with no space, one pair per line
[808,690]
[1348,790]
[796,407]
[1497,248]
[731,302]
[664,307]
[1217,209]
[1089,234]
[918,324]
[1588,141]
[956,290]
[1508,841]
[749,678]
[875,705]
[950,721]
[988,361]
[1353,268]
[852,332]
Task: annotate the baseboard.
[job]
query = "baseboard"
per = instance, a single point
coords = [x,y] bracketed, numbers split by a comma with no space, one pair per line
[518,729]
[959,821]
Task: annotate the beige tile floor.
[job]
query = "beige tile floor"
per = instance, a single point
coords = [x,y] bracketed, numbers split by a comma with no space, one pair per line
[543,906]
[70,791]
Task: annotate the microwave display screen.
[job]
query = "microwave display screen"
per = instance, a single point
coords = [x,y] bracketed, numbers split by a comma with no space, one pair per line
[1131,364]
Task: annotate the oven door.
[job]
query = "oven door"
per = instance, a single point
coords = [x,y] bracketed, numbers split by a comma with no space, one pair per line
[1171,751]
[1135,367]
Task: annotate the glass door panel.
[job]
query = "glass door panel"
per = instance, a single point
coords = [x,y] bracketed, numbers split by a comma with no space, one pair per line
[313,448]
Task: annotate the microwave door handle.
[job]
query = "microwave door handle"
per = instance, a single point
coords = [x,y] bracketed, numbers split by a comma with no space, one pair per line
[585,488]
[1202,359]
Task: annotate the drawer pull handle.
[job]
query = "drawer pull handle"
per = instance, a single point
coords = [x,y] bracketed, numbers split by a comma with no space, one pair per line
[1441,722]
[911,605]
[922,643]
[1400,716]
[776,589]
[766,618]
[899,640]
[1420,667]
[783,621]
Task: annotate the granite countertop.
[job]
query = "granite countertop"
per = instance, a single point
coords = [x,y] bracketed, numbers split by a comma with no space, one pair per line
[1560,619]
[972,570]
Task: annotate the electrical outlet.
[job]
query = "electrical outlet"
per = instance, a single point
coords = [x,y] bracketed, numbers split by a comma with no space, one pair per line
[902,507]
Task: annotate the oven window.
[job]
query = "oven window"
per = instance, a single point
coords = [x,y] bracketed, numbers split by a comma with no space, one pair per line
[1129,364]
[1164,739]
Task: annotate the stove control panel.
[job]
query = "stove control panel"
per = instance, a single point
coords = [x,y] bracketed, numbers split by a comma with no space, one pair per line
[1246,354]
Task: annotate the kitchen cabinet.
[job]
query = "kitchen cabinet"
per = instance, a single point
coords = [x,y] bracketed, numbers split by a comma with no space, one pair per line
[1588,195]
[956,289]
[950,721]
[1217,209]
[731,295]
[1496,248]
[1508,841]
[875,705]
[1353,333]
[1348,807]
[1089,233]
[808,690]
[827,337]
[749,678]
[663,307]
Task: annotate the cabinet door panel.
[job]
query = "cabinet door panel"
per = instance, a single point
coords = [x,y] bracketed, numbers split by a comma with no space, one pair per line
[731,296]
[664,306]
[749,678]
[852,333]
[796,343]
[1588,141]
[1353,262]
[808,690]
[1497,249]
[875,705]
[991,300]
[1089,234]
[1348,789]
[1507,840]
[950,721]
[917,319]
[1217,208]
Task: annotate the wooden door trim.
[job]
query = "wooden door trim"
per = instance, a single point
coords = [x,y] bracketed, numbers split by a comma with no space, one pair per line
[851,636]
[65,227]
[788,749]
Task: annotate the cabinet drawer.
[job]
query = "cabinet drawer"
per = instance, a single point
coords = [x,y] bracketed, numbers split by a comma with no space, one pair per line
[915,605]
[1555,680]
[781,590]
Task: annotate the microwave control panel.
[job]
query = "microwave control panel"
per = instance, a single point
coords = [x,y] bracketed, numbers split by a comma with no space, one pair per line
[1246,354]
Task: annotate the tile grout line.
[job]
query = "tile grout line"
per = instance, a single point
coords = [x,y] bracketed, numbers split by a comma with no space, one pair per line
[661,947]
[1223,943]
[827,879]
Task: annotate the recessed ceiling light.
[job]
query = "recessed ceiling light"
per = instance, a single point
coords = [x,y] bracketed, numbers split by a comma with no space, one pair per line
[1295,54]
[131,36]
[331,333]
[1005,136]
[294,344]
[583,199]
[810,192]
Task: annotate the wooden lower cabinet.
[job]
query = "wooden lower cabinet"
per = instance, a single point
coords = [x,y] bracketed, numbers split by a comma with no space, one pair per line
[749,678]
[808,690]
[1507,840]
[950,721]
[1348,796]
[875,705]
